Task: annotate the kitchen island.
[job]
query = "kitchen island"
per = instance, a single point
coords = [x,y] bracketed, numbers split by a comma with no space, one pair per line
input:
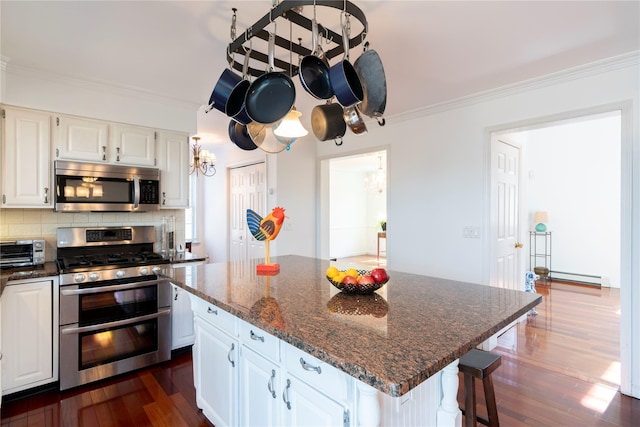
[396,348]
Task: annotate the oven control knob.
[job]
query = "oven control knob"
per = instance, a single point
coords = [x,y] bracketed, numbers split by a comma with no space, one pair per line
[94,276]
[157,270]
[79,278]
[144,271]
[120,274]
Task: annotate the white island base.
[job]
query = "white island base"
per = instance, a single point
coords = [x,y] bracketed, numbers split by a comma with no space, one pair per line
[245,376]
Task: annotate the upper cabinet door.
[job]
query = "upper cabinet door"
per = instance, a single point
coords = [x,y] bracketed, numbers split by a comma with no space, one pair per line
[26,159]
[132,145]
[81,139]
[173,161]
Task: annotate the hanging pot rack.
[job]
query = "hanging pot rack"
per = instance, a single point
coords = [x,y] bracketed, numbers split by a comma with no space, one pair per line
[288,10]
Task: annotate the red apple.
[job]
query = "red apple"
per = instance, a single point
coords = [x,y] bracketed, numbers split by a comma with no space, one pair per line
[379,275]
[366,280]
[349,280]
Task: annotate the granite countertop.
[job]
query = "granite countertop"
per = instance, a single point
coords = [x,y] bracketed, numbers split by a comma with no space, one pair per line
[393,340]
[184,257]
[49,269]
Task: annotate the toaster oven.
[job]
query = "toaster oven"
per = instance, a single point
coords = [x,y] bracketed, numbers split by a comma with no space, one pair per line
[21,253]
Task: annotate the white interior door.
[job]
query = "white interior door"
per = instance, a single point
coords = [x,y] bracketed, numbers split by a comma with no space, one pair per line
[505,174]
[247,185]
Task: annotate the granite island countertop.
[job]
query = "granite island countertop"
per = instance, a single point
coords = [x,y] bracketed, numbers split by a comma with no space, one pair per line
[48,269]
[393,340]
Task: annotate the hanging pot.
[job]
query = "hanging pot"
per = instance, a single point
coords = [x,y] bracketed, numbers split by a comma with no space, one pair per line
[314,69]
[327,122]
[240,136]
[353,119]
[271,96]
[374,84]
[344,79]
[221,91]
[235,104]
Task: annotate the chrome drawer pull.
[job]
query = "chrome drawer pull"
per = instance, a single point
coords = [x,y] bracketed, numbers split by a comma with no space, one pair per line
[308,367]
[255,337]
[210,310]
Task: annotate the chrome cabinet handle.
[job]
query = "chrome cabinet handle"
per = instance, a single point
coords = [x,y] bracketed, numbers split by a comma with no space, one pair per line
[176,297]
[117,154]
[104,152]
[46,195]
[285,395]
[270,383]
[255,337]
[308,367]
[210,310]
[233,364]
[164,198]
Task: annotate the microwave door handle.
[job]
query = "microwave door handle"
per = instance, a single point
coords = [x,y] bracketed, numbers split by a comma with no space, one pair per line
[136,191]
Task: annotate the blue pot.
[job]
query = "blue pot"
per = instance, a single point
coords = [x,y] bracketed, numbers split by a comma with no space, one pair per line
[222,90]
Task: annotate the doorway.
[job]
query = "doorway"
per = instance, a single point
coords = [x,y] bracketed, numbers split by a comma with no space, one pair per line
[357,207]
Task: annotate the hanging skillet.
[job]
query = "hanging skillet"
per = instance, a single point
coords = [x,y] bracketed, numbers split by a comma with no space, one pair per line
[271,96]
[314,69]
[374,84]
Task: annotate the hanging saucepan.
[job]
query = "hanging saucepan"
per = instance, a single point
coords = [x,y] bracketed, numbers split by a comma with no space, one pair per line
[271,96]
[240,136]
[235,104]
[374,84]
[344,79]
[314,69]
[221,91]
[353,119]
[327,122]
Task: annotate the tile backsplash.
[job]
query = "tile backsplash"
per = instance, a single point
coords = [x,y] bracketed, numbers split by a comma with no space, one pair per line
[43,224]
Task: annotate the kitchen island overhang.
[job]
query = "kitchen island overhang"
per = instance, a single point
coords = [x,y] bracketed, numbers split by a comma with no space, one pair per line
[405,333]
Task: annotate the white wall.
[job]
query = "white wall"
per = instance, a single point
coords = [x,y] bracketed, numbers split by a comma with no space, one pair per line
[573,172]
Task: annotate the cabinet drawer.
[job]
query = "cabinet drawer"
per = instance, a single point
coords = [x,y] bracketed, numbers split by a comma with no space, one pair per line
[260,341]
[214,315]
[318,374]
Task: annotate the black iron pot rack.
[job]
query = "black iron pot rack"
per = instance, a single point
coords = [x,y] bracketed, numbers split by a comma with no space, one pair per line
[287,10]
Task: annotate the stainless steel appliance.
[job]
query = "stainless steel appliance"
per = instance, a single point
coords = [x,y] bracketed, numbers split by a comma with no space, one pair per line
[21,253]
[105,188]
[114,306]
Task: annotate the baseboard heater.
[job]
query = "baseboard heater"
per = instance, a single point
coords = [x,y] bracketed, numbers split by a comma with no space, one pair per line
[586,279]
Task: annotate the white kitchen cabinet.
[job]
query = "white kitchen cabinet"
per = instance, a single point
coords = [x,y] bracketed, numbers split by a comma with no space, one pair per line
[26,159]
[173,161]
[29,331]
[260,390]
[306,406]
[215,364]
[132,145]
[182,333]
[77,138]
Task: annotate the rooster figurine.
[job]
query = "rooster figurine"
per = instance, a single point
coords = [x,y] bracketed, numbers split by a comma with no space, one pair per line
[266,229]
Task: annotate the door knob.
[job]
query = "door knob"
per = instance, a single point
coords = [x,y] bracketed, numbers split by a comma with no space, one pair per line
[518,245]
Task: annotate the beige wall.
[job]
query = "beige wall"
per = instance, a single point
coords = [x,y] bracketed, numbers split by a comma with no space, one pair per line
[43,223]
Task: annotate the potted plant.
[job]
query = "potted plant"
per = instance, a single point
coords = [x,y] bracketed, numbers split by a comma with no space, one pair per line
[383,224]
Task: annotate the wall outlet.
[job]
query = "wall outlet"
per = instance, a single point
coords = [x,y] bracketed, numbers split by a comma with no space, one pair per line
[470,232]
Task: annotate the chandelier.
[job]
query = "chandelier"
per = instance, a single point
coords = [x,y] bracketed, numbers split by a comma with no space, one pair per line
[377,181]
[202,161]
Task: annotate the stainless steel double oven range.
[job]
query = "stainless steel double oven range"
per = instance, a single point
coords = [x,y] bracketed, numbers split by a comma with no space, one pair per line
[114,305]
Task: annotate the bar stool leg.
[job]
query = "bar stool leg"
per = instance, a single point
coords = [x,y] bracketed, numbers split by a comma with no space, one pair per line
[469,401]
[490,398]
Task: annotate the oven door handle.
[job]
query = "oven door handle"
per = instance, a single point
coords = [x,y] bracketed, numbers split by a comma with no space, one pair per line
[117,323]
[111,288]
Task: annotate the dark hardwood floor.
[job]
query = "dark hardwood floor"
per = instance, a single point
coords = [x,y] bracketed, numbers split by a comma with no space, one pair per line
[559,368]
[162,395]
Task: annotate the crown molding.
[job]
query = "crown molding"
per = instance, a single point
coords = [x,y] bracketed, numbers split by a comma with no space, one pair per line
[99,86]
[575,73]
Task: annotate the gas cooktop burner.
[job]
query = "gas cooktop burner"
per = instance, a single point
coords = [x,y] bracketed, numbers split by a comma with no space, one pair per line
[112,260]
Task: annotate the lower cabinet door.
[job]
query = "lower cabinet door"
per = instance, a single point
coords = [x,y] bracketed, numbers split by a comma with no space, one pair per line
[260,402]
[305,406]
[27,331]
[182,334]
[215,370]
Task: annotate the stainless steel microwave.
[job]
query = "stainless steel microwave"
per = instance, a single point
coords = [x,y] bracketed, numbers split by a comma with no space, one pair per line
[98,187]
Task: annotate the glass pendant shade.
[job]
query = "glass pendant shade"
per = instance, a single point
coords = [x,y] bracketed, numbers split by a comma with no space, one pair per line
[290,126]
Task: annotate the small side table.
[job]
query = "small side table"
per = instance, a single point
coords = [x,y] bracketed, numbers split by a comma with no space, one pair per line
[381,235]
